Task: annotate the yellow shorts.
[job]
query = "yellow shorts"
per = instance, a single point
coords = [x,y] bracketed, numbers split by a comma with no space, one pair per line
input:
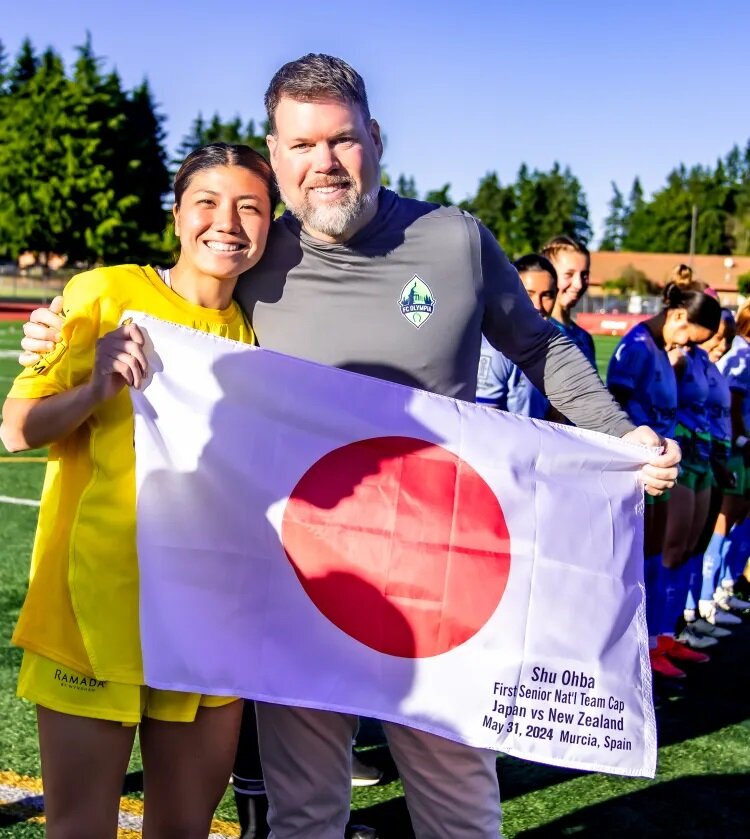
[53,686]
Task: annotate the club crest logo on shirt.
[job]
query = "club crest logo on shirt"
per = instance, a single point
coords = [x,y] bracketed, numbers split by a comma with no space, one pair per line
[417,301]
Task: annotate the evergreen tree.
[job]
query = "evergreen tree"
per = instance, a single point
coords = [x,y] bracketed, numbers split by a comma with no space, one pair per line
[495,206]
[664,223]
[141,179]
[81,163]
[440,196]
[636,232]
[635,199]
[406,187]
[738,169]
[218,131]
[35,161]
[615,223]
[194,139]
[24,67]
[3,69]
[97,107]
[548,204]
[256,137]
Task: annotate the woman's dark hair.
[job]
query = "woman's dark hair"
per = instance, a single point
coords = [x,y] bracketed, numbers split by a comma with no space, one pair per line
[702,309]
[729,323]
[535,262]
[682,275]
[225,154]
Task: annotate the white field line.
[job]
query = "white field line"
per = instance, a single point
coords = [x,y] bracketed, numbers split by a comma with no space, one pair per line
[10,353]
[24,502]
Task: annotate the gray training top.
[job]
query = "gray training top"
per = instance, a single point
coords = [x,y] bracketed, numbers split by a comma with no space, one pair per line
[407,299]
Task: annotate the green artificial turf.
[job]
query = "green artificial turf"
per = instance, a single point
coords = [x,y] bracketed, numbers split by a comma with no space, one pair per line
[604,346]
[704,756]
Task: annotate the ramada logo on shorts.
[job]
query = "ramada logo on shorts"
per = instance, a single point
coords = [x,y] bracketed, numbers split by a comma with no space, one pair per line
[417,301]
[75,680]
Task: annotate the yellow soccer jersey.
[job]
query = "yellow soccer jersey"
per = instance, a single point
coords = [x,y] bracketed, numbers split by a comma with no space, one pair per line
[82,604]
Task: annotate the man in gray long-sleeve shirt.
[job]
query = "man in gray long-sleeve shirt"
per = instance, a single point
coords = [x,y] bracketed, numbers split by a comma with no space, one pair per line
[347,304]
[357,277]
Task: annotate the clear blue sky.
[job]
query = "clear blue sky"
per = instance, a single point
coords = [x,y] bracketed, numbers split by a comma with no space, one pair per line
[613,90]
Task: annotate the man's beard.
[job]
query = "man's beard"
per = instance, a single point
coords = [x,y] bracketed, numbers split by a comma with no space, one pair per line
[334,219]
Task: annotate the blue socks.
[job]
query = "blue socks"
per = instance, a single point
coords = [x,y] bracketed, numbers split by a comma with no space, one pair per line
[694,568]
[672,585]
[666,593]
[713,560]
[737,551]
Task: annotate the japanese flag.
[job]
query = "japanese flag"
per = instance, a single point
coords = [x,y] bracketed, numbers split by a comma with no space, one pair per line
[319,538]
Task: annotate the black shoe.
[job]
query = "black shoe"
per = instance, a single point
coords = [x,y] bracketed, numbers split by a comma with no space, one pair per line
[252,811]
[666,690]
[360,831]
[364,775]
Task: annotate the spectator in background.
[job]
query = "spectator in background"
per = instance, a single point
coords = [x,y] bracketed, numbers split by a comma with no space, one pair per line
[735,367]
[728,485]
[501,383]
[642,378]
[572,262]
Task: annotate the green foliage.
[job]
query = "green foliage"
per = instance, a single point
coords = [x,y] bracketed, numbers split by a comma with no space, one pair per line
[631,281]
[217,131]
[406,187]
[614,224]
[539,205]
[721,195]
[743,284]
[440,196]
[3,68]
[83,172]
[82,162]
[24,67]
[495,206]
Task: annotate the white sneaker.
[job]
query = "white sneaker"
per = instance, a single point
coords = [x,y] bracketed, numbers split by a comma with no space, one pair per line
[703,627]
[694,640]
[716,616]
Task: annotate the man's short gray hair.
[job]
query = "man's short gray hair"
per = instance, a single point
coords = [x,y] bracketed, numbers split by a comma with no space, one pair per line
[313,77]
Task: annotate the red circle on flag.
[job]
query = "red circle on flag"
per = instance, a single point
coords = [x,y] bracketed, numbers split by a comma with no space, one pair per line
[400,543]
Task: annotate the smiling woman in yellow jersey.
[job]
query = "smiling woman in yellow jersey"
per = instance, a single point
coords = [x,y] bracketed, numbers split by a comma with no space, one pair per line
[79,623]
[88,502]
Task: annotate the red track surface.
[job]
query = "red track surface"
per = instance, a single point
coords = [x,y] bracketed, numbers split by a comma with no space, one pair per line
[16,311]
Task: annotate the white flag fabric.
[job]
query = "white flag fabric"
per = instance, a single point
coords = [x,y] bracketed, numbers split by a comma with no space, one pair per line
[314,537]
